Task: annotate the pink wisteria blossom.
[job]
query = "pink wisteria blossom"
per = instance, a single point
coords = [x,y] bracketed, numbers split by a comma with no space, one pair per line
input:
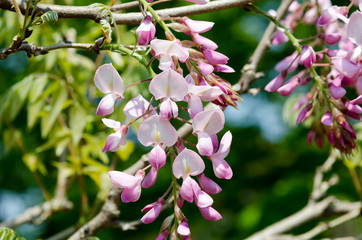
[156,131]
[108,81]
[116,139]
[152,211]
[146,31]
[165,50]
[131,184]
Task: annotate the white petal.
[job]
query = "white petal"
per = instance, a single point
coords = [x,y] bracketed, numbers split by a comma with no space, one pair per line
[107,80]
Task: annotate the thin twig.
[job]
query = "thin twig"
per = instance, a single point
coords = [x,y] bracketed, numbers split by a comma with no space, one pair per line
[248,72]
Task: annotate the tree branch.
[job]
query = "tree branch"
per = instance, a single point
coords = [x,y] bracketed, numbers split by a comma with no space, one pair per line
[128,18]
[39,213]
[329,206]
[248,73]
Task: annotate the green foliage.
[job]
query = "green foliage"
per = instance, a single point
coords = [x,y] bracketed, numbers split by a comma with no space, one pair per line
[9,234]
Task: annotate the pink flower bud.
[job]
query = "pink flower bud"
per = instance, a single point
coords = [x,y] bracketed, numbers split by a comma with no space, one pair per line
[336,91]
[327,119]
[150,178]
[183,228]
[279,38]
[332,38]
[288,88]
[223,68]
[146,31]
[205,68]
[214,57]
[208,185]
[308,56]
[153,210]
[276,83]
[204,42]
[163,235]
[210,214]
[303,114]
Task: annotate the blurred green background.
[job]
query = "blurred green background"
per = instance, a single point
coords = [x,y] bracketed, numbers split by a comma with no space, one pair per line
[273,165]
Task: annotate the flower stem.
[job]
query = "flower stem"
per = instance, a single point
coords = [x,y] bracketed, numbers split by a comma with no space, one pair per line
[122,49]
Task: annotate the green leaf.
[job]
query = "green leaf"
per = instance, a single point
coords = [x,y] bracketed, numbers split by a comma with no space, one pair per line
[15,98]
[10,135]
[34,110]
[47,122]
[77,122]
[37,87]
[54,140]
[50,16]
[9,234]
[33,162]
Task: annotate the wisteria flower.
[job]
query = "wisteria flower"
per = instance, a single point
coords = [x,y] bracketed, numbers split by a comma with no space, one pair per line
[131,184]
[108,81]
[116,139]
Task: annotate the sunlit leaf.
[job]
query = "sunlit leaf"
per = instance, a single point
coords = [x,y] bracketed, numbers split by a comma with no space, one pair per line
[9,234]
[47,122]
[33,162]
[77,122]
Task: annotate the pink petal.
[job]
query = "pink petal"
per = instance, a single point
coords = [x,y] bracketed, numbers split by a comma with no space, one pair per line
[111,123]
[346,67]
[187,163]
[153,213]
[183,229]
[308,56]
[169,84]
[156,129]
[136,107]
[221,168]
[303,113]
[150,178]
[327,119]
[210,214]
[224,145]
[205,68]
[204,42]
[163,235]
[357,101]
[206,93]
[168,108]
[279,38]
[113,142]
[289,62]
[122,180]
[202,199]
[194,105]
[186,190]
[275,84]
[197,26]
[106,105]
[289,87]
[204,144]
[146,31]
[337,92]
[223,68]
[157,157]
[214,57]
[354,32]
[210,121]
[169,48]
[107,80]
[208,185]
[131,195]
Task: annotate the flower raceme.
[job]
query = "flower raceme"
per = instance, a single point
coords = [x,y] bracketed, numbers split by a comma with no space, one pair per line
[156,115]
[332,69]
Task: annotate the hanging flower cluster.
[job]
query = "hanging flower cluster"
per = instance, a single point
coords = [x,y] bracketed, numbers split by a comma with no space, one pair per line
[333,59]
[169,88]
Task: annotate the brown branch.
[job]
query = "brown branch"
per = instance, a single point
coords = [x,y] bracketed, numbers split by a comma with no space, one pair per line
[129,18]
[248,72]
[315,209]
[39,213]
